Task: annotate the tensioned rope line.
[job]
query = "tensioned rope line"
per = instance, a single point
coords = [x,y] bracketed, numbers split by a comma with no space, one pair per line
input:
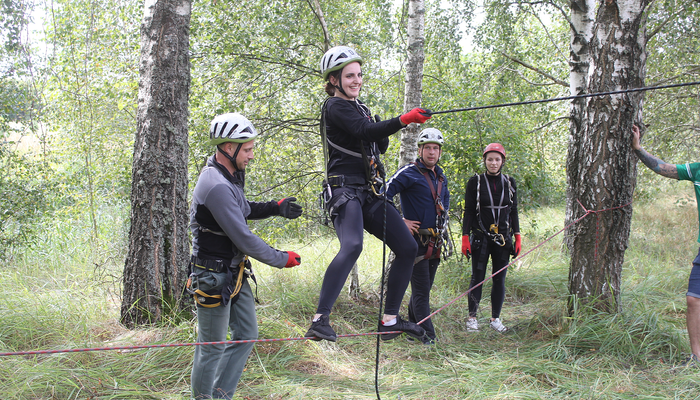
[152,346]
[580,96]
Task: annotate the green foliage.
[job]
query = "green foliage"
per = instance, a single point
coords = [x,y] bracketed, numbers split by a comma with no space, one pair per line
[672,116]
[14,17]
[23,200]
[91,100]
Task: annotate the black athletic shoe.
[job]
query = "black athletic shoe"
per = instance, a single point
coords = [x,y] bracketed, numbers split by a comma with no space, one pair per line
[411,329]
[321,329]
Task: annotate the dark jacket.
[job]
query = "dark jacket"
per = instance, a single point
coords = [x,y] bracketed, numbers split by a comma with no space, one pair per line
[349,125]
[416,197]
[492,194]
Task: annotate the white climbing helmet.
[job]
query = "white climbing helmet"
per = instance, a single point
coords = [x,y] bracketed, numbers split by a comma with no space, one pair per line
[231,127]
[336,58]
[430,135]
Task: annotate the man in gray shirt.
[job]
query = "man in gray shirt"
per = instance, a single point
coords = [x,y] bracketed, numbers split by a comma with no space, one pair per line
[221,245]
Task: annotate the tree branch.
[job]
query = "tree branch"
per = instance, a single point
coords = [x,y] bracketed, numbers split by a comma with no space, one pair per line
[318,12]
[535,69]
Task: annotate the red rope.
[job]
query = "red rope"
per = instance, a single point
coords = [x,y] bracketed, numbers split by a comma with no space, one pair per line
[152,346]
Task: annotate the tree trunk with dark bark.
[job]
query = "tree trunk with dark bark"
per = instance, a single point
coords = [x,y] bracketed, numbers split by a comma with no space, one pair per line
[155,267]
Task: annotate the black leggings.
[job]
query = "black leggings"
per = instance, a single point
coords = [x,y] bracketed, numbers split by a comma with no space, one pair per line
[482,248]
[352,218]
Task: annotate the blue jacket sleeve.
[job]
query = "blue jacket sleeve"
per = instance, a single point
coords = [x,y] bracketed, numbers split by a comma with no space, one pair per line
[398,182]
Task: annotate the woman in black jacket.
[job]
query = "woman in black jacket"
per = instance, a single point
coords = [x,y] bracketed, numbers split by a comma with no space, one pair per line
[489,225]
[353,141]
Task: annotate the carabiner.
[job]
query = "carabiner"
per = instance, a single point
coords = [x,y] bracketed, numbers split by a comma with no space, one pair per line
[192,284]
[499,240]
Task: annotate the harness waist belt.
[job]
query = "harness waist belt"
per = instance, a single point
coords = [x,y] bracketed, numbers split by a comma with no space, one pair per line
[346,180]
[210,265]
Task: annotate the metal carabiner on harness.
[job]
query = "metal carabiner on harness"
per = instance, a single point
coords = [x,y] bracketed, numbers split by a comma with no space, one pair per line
[376,181]
[495,236]
[498,239]
[192,283]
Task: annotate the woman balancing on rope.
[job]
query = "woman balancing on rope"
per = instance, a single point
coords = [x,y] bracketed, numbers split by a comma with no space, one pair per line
[352,144]
[491,217]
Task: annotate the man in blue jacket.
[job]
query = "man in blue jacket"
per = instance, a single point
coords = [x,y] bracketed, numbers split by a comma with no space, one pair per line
[425,199]
[221,245]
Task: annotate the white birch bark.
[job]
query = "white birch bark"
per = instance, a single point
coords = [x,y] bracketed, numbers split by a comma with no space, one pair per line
[601,170]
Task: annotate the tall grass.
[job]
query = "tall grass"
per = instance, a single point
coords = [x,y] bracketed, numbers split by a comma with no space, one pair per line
[65,294]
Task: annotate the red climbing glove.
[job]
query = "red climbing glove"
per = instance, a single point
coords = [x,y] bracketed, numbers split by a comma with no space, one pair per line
[288,207]
[466,247]
[517,244]
[293,260]
[417,115]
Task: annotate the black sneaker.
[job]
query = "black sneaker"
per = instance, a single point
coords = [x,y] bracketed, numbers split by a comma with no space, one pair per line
[321,329]
[411,329]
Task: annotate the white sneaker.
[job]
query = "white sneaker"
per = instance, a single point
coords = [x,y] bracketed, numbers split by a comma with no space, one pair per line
[472,325]
[498,326]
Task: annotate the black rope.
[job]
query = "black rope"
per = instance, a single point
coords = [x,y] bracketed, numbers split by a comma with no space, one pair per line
[381,302]
[580,96]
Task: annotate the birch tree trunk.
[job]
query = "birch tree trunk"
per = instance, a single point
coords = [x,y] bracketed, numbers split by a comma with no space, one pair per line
[413,89]
[155,267]
[414,78]
[601,170]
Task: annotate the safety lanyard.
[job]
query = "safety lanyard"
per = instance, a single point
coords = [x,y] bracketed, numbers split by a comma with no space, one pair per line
[439,208]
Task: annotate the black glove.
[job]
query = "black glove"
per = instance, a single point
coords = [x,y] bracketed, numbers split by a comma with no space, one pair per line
[288,207]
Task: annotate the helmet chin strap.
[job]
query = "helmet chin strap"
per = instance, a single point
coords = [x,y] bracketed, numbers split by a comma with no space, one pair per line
[342,91]
[232,159]
[339,86]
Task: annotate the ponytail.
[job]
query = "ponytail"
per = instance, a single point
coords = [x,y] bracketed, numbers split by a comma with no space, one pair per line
[330,89]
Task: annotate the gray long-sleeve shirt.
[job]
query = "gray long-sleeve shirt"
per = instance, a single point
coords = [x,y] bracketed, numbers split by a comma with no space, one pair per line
[218,220]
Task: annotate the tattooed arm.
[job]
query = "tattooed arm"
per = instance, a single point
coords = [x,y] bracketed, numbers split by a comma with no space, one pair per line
[655,164]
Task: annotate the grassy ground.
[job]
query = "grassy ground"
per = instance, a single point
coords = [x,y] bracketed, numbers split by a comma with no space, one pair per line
[64,294]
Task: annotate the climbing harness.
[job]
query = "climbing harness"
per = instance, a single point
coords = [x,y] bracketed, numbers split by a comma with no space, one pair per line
[374,170]
[434,239]
[499,218]
[230,291]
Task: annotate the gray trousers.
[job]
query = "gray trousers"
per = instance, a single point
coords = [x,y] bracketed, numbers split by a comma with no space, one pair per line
[217,368]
